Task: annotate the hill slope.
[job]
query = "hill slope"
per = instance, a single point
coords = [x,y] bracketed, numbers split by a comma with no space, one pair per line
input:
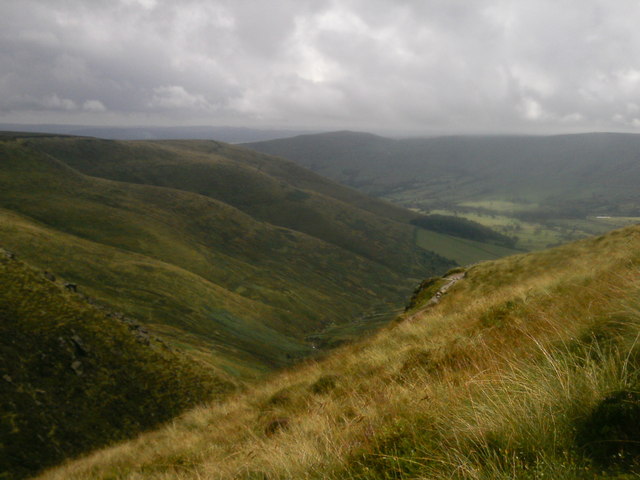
[239,292]
[525,367]
[562,167]
[268,189]
[225,134]
[74,377]
[557,184]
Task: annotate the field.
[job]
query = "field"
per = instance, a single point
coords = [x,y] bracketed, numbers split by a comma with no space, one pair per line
[532,235]
[506,374]
[463,251]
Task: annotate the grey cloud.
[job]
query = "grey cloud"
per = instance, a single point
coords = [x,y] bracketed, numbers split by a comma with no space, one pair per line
[438,65]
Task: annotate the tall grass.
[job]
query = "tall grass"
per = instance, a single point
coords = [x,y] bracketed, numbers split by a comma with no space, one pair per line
[524,423]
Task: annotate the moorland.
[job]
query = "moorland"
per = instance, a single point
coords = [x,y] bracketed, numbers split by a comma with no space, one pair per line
[191,309]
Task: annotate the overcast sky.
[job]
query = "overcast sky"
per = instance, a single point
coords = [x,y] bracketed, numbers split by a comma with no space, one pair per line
[421,66]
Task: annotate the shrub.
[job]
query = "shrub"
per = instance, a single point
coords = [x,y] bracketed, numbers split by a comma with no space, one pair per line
[610,435]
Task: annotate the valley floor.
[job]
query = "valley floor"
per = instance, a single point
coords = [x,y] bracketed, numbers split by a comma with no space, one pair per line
[534,234]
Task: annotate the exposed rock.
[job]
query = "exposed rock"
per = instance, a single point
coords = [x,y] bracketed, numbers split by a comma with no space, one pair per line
[143,338]
[49,276]
[76,366]
[81,348]
[72,287]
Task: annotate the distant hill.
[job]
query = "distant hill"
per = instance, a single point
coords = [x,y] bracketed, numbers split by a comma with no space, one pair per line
[543,189]
[234,256]
[75,377]
[221,133]
[601,169]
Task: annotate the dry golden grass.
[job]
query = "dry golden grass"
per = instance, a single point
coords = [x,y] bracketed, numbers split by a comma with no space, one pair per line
[490,383]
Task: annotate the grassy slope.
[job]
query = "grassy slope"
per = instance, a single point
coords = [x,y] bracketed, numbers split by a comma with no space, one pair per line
[507,377]
[304,202]
[170,300]
[74,377]
[196,269]
[267,188]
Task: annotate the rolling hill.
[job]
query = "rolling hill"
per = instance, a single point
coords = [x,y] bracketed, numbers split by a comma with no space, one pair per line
[527,168]
[210,251]
[268,189]
[222,133]
[523,367]
[548,189]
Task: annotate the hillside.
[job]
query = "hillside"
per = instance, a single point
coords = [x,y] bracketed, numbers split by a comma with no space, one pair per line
[75,377]
[545,190]
[239,283]
[225,134]
[525,367]
[273,190]
[268,189]
[584,166]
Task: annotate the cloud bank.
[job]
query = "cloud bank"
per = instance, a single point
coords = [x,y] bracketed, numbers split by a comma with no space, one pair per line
[419,66]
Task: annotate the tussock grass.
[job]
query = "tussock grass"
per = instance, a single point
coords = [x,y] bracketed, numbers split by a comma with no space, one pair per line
[495,382]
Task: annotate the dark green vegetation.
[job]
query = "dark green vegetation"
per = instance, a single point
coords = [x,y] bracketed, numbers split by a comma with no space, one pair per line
[74,377]
[543,190]
[609,434]
[463,228]
[273,190]
[230,254]
[461,250]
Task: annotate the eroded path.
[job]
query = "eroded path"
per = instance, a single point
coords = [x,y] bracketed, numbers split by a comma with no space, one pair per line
[450,281]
